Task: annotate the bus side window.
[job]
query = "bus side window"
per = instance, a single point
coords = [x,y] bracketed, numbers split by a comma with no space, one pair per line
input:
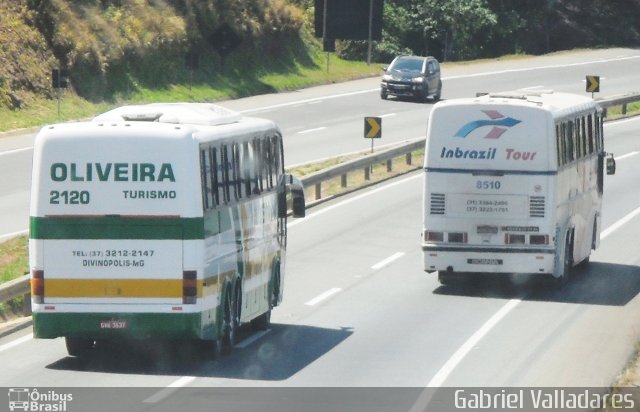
[225,166]
[583,134]
[213,155]
[258,150]
[236,180]
[590,134]
[205,168]
[559,152]
[599,145]
[570,142]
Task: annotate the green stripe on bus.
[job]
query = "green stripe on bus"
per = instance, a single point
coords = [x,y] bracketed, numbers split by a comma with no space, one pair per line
[135,325]
[116,227]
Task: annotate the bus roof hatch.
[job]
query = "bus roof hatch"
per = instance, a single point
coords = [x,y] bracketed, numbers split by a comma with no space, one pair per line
[204,114]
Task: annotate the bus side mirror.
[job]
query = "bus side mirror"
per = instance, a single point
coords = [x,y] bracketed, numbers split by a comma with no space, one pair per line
[611,165]
[288,183]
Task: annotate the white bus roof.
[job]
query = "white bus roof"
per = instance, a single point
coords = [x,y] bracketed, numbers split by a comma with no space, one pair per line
[558,103]
[202,114]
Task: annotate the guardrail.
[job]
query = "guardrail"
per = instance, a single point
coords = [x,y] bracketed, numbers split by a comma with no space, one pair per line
[20,286]
[623,100]
[15,288]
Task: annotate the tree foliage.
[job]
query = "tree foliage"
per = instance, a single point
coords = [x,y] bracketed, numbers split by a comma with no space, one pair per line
[470,29]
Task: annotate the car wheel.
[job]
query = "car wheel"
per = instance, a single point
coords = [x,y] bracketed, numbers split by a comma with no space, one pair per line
[438,94]
[384,95]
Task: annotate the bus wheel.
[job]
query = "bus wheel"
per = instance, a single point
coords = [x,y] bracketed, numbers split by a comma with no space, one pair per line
[447,278]
[231,321]
[215,348]
[263,321]
[79,346]
[567,263]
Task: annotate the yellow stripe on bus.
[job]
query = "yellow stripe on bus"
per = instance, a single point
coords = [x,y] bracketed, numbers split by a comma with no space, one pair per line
[116,288]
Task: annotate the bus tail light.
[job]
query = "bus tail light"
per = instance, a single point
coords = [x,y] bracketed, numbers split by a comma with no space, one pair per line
[37,286]
[513,239]
[457,237]
[430,236]
[189,286]
[538,239]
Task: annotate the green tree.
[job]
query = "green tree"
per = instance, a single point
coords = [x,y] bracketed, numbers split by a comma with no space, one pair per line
[449,28]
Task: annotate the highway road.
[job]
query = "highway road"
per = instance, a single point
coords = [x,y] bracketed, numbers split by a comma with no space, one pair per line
[328,120]
[359,311]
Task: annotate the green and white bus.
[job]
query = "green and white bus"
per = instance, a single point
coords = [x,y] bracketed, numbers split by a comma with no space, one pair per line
[159,221]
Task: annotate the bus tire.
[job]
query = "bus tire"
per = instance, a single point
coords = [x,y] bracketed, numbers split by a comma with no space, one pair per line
[263,321]
[563,279]
[79,346]
[447,278]
[231,320]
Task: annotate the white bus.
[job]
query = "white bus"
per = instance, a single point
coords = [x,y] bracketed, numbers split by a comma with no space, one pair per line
[161,221]
[513,184]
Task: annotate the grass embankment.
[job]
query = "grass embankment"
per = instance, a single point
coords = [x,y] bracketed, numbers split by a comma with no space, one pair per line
[13,264]
[235,82]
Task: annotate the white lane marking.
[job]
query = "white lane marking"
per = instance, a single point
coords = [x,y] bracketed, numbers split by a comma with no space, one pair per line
[619,223]
[457,357]
[388,260]
[622,121]
[317,129]
[16,342]
[624,156]
[551,66]
[174,386]
[448,367]
[388,115]
[532,88]
[323,296]
[245,343]
[379,147]
[8,152]
[463,76]
[311,100]
[353,199]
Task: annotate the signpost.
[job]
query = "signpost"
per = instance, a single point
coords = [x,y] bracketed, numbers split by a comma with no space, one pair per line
[59,80]
[593,84]
[372,129]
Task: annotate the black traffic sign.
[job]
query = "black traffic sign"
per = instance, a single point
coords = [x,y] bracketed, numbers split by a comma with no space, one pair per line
[372,127]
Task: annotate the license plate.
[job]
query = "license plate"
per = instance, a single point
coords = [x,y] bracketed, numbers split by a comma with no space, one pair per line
[113,324]
[484,261]
[487,229]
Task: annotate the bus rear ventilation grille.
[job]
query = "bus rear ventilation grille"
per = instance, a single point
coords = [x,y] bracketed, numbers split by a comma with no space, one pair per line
[437,204]
[536,206]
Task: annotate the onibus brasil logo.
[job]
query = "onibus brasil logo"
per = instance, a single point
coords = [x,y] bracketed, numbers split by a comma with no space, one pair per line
[33,400]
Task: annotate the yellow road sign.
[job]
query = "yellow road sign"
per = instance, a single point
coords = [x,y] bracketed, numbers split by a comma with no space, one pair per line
[372,127]
[593,84]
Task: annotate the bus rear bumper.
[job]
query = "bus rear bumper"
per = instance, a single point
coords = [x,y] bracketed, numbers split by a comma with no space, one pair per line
[121,325]
[488,260]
